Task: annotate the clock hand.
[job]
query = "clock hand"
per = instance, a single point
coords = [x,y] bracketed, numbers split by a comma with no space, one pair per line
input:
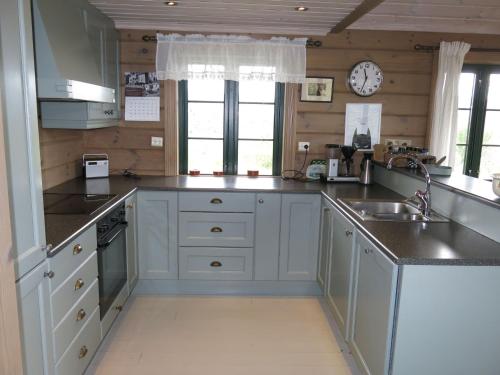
[364,83]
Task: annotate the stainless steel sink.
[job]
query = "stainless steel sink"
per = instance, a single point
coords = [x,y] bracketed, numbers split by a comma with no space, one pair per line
[389,210]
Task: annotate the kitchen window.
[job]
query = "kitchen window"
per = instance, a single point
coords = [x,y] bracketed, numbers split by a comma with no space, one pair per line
[230,126]
[478,125]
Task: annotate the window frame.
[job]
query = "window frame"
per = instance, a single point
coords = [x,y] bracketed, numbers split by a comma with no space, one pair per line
[474,146]
[231,127]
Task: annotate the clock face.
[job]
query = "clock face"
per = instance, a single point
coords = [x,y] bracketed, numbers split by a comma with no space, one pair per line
[366,78]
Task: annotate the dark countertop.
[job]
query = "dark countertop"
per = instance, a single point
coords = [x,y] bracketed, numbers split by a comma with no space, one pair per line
[404,243]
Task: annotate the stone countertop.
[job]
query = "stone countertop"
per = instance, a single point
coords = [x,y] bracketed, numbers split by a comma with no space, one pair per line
[404,243]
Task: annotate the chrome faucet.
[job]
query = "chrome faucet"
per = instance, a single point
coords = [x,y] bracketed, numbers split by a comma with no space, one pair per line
[424,197]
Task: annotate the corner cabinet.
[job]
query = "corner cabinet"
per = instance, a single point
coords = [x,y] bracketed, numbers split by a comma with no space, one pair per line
[131,238]
[157,234]
[299,236]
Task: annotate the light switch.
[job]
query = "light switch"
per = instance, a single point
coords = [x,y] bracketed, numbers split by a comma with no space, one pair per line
[157,141]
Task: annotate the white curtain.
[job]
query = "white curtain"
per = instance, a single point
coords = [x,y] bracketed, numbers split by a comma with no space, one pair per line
[444,121]
[230,57]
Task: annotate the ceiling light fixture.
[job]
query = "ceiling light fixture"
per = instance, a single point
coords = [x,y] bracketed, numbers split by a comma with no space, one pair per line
[301,9]
[171,3]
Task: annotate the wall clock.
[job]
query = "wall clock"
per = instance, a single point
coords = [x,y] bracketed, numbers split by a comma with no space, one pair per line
[365,78]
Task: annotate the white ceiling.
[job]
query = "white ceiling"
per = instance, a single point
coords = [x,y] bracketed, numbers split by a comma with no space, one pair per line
[280,17]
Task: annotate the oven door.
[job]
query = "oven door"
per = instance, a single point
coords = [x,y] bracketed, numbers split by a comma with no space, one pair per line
[112,264]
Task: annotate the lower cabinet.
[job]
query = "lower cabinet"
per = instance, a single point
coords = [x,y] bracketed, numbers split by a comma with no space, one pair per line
[299,236]
[374,304]
[157,234]
[132,261]
[34,319]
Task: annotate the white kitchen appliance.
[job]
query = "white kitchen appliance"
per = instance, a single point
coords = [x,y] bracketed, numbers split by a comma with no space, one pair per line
[95,165]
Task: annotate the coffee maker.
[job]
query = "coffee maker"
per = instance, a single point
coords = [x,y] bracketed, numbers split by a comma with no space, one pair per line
[339,165]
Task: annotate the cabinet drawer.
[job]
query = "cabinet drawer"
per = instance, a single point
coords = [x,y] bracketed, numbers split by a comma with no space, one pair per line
[216,202]
[68,259]
[210,263]
[73,288]
[216,229]
[73,322]
[114,310]
[79,353]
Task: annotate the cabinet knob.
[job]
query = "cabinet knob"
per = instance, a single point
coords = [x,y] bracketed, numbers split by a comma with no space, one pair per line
[79,284]
[49,274]
[216,201]
[77,249]
[368,251]
[348,233]
[215,264]
[261,200]
[83,352]
[130,206]
[119,308]
[81,315]
[47,247]
[216,230]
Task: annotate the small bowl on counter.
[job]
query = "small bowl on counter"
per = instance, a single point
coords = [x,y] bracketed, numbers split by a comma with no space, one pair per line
[496,183]
[218,173]
[194,172]
[252,173]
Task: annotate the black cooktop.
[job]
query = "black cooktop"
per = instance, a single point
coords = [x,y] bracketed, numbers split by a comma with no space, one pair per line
[75,204]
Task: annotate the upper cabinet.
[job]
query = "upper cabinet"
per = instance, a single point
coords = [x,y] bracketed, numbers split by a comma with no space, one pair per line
[77,70]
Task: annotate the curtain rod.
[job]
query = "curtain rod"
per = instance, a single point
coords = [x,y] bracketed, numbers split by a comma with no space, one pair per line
[424,48]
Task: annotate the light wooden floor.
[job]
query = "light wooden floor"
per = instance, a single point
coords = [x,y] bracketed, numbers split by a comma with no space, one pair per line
[223,336]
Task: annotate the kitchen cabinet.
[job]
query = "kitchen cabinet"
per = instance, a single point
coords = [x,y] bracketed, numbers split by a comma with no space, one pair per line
[17,82]
[341,271]
[157,234]
[35,321]
[325,242]
[299,236]
[374,303]
[131,235]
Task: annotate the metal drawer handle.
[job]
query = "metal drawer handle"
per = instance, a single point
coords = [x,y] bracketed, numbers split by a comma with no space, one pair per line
[368,251]
[215,264]
[79,284]
[216,230]
[77,249]
[49,274]
[216,201]
[83,352]
[81,315]
[348,233]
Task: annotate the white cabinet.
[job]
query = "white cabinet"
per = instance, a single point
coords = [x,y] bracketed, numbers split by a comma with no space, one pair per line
[17,82]
[325,242]
[34,319]
[131,218]
[341,271]
[374,303]
[157,234]
[299,236]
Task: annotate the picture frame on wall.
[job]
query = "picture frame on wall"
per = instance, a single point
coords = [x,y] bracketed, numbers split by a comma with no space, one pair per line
[317,89]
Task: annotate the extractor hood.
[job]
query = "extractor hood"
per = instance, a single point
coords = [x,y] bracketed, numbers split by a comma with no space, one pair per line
[68,64]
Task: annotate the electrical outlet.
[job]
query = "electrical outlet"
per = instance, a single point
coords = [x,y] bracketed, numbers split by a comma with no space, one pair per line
[304,145]
[156,141]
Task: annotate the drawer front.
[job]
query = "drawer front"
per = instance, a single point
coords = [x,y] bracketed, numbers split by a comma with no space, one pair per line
[79,353]
[216,229]
[73,322]
[114,310]
[72,256]
[73,288]
[216,202]
[210,263]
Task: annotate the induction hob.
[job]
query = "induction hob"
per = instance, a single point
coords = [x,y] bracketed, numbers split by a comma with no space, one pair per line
[75,204]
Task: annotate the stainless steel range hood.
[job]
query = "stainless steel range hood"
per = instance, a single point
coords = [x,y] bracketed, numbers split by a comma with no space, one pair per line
[68,64]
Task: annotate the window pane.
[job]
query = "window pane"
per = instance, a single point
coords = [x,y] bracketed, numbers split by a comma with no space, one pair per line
[205,155]
[206,120]
[206,90]
[459,159]
[491,134]
[255,155]
[256,121]
[465,90]
[494,92]
[490,163]
[256,91]
[463,125]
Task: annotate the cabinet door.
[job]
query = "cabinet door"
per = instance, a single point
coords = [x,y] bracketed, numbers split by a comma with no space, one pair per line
[130,217]
[157,229]
[373,308]
[34,319]
[341,278]
[17,83]
[299,236]
[324,244]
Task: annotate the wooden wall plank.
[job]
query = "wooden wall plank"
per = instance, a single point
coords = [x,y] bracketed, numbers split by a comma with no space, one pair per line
[135,160]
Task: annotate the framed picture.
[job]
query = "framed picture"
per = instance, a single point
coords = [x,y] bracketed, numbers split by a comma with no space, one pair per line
[317,89]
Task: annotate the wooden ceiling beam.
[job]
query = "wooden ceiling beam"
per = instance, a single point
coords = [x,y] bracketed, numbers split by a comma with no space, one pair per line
[365,7]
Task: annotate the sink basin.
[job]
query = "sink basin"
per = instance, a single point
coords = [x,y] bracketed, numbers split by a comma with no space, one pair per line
[389,210]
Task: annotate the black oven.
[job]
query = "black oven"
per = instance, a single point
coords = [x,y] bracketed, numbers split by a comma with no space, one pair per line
[111,257]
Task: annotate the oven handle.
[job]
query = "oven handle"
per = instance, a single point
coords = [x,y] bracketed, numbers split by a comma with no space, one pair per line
[123,226]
